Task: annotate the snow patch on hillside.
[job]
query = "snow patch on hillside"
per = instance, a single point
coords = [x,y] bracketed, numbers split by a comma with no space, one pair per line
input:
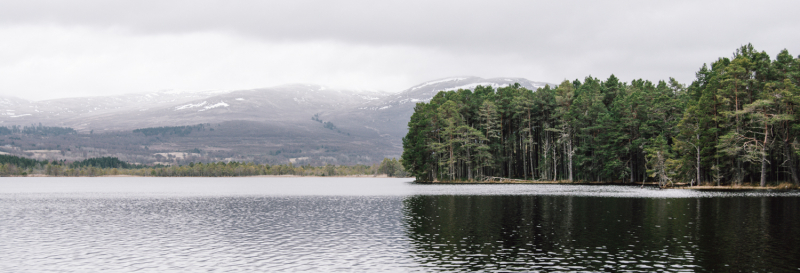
[188,106]
[435,82]
[472,86]
[404,101]
[369,98]
[219,104]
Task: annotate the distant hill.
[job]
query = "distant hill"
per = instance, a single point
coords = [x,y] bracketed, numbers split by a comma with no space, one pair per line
[389,116]
[302,123]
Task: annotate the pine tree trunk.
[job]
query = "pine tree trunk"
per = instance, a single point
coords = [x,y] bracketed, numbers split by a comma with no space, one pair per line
[469,167]
[533,171]
[764,157]
[530,146]
[764,169]
[631,162]
[545,171]
[555,165]
[451,171]
[787,149]
[569,155]
[698,165]
[524,162]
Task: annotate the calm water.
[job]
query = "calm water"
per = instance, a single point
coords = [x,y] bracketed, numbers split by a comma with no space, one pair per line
[365,224]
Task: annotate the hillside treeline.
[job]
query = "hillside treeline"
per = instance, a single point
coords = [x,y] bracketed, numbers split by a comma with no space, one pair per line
[736,123]
[103,162]
[219,169]
[14,166]
[171,130]
[37,130]
[18,166]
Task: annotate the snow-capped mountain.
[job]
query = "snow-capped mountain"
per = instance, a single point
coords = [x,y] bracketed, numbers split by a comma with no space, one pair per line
[290,102]
[285,102]
[57,111]
[276,123]
[389,116]
[424,92]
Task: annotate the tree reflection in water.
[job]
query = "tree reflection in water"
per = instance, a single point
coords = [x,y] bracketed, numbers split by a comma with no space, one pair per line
[471,233]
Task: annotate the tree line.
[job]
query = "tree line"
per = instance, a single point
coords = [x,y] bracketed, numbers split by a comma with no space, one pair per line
[19,166]
[172,130]
[11,165]
[37,130]
[737,122]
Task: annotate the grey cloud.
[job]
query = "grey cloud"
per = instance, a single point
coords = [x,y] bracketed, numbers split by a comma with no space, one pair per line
[461,24]
[567,39]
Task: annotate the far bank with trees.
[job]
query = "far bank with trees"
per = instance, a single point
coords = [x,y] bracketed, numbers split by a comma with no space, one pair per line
[110,166]
[736,123]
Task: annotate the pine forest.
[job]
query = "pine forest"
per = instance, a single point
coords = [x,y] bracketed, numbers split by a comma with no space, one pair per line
[736,123]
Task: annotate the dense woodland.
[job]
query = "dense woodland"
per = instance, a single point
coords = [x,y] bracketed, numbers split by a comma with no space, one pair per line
[736,123]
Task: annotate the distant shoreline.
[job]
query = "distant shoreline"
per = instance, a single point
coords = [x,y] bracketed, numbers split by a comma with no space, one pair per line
[681,186]
[283,175]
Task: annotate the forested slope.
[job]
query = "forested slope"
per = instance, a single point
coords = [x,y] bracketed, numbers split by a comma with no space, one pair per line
[736,123]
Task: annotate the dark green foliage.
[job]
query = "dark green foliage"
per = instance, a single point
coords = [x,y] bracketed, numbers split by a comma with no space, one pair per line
[738,122]
[20,162]
[329,125]
[391,168]
[102,162]
[37,130]
[170,130]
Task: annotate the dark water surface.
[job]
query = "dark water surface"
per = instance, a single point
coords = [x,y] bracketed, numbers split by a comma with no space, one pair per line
[367,224]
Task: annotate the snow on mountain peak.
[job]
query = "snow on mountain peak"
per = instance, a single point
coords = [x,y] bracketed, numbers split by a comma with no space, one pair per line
[219,104]
[187,106]
[436,82]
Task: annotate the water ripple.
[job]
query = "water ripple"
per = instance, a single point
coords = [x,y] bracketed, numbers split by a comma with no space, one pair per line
[247,225]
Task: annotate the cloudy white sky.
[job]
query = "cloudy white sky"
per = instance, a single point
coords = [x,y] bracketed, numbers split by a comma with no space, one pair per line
[55,49]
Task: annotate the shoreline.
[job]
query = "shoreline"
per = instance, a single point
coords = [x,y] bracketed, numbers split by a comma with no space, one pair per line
[682,186]
[736,188]
[678,186]
[241,176]
[559,182]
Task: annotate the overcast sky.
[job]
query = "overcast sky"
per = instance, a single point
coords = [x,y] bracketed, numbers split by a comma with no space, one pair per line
[54,49]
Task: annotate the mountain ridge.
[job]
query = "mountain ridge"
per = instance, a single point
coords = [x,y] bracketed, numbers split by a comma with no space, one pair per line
[270,124]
